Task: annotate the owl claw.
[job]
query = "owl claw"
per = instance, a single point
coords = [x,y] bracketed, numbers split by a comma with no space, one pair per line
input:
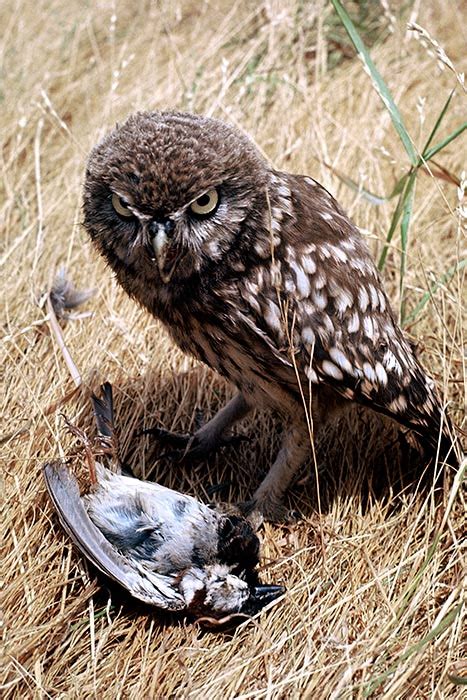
[191,446]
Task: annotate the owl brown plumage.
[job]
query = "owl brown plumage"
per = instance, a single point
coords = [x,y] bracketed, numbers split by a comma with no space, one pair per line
[259,274]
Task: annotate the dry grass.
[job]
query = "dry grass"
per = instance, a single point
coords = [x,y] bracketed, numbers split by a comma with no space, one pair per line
[375,581]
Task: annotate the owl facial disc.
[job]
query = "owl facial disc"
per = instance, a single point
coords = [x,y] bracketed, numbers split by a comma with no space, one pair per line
[164,248]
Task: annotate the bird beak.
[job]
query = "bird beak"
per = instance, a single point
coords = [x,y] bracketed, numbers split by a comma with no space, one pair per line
[164,248]
[261,596]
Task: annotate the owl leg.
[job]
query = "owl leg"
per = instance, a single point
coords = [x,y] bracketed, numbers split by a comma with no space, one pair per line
[214,433]
[210,437]
[295,448]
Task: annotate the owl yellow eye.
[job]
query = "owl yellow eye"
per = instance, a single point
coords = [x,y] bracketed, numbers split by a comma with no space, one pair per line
[206,204]
[120,206]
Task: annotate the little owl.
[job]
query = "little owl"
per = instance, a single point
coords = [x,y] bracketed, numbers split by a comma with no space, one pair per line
[259,274]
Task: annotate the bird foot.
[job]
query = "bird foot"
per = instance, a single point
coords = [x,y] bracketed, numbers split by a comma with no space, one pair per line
[196,446]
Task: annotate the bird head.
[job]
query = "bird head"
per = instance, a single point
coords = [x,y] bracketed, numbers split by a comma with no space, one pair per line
[216,592]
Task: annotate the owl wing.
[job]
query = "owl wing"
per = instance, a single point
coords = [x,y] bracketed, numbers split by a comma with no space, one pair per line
[144,585]
[339,318]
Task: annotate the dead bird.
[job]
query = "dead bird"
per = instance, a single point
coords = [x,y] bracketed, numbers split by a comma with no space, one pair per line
[166,548]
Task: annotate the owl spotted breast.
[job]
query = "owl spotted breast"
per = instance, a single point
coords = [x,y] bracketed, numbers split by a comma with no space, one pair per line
[259,274]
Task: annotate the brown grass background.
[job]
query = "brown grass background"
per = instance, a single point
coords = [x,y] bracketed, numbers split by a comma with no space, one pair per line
[375,580]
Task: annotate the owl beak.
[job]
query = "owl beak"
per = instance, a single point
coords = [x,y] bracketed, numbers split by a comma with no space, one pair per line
[164,248]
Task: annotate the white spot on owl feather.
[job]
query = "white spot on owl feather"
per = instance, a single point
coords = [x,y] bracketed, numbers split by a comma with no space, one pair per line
[320,299]
[344,301]
[324,251]
[283,191]
[382,300]
[303,283]
[374,296]
[276,277]
[363,298]
[381,374]
[341,360]
[348,244]
[308,335]
[311,182]
[311,374]
[368,327]
[320,280]
[430,384]
[213,248]
[359,265]
[251,287]
[338,253]
[332,370]
[369,372]
[277,213]
[289,253]
[262,249]
[391,363]
[326,215]
[308,264]
[272,316]
[354,323]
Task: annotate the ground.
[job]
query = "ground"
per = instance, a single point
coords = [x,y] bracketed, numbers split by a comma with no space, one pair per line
[374,567]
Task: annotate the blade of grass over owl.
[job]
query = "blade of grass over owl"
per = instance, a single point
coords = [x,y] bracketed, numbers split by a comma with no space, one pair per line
[378,82]
[428,153]
[405,187]
[405,223]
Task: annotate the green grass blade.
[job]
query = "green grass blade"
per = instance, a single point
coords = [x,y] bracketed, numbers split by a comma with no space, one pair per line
[378,82]
[438,123]
[444,279]
[371,197]
[417,648]
[442,144]
[405,223]
[394,222]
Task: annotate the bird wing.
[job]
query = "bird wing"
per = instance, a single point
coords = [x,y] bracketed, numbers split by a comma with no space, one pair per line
[148,587]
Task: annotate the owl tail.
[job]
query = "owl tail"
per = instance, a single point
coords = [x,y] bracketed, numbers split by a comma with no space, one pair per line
[413,402]
[437,434]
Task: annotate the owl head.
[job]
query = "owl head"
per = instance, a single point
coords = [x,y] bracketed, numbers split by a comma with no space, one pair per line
[167,194]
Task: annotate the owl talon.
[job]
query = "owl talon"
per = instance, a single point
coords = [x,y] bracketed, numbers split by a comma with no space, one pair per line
[167,437]
[191,446]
